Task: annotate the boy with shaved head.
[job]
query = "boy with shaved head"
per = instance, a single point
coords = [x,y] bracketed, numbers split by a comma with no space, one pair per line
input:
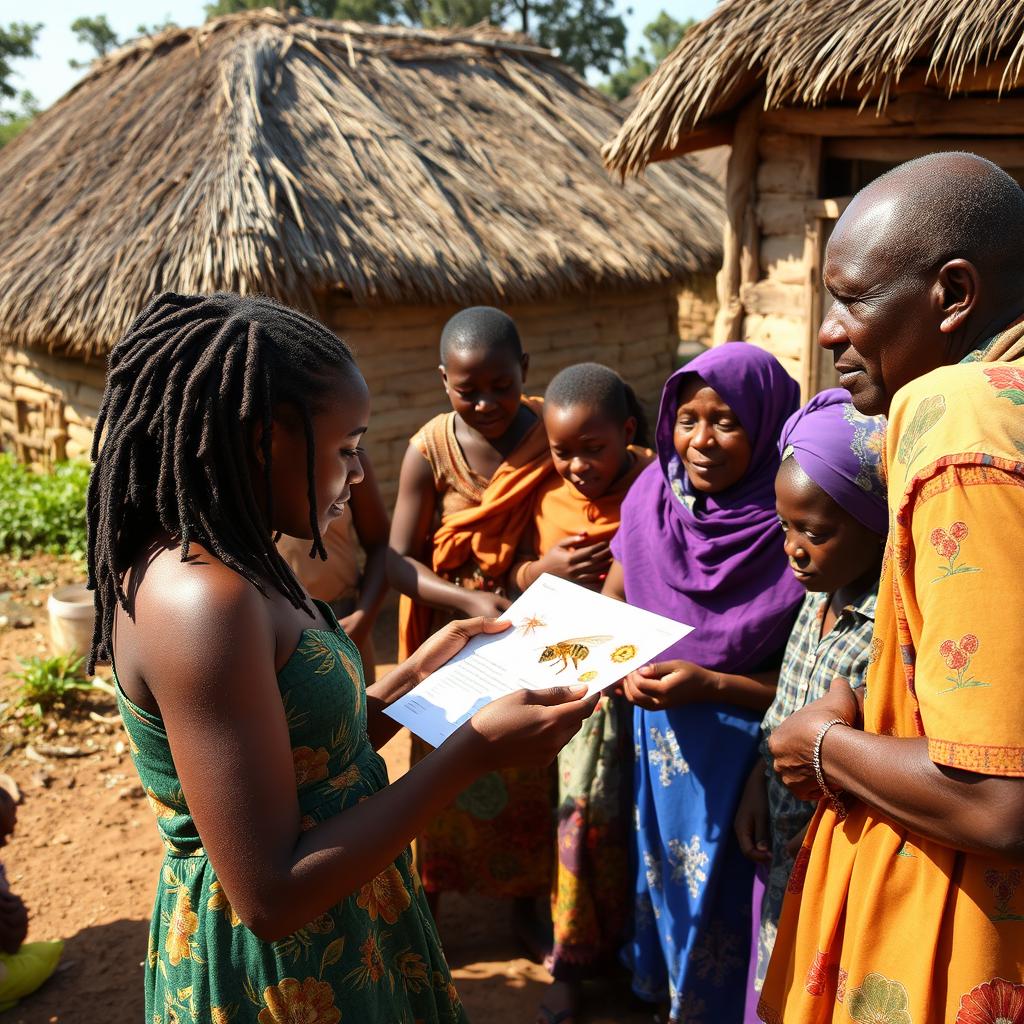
[906,903]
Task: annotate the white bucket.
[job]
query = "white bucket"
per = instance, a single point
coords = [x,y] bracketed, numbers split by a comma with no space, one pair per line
[72,614]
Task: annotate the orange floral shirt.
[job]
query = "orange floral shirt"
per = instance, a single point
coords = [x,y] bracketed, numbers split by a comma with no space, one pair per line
[882,925]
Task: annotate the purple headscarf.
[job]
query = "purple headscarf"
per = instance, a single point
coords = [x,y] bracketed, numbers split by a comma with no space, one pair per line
[841,451]
[716,561]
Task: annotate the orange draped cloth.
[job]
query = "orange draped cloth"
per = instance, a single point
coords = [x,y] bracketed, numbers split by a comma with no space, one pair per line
[486,534]
[881,924]
[560,510]
[488,840]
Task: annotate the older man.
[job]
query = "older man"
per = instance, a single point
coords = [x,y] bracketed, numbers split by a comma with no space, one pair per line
[906,905]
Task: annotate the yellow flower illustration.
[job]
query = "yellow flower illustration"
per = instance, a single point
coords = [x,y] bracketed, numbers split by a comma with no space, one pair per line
[182,925]
[349,777]
[310,765]
[355,675]
[219,901]
[160,809]
[413,970]
[879,1000]
[384,896]
[295,1002]
[372,958]
[322,925]
[321,653]
[372,968]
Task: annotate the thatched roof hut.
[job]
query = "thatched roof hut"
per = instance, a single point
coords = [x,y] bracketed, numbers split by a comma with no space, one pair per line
[378,177]
[817,97]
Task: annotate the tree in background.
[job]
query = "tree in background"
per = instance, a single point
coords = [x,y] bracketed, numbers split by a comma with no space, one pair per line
[18,39]
[663,36]
[98,34]
[586,33]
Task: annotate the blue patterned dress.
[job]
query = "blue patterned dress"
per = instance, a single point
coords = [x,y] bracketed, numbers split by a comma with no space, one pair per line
[691,937]
[714,561]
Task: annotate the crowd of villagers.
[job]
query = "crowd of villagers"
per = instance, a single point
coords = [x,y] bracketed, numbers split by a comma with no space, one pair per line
[809,809]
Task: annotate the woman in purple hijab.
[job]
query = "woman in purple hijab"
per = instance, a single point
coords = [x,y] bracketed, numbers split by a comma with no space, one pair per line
[699,542]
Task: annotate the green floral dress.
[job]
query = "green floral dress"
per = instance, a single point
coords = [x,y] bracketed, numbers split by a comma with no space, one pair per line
[374,957]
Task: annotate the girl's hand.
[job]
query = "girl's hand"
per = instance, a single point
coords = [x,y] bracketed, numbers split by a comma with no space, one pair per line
[483,604]
[529,727]
[793,846]
[752,823]
[792,743]
[448,641]
[356,626]
[573,559]
[669,684]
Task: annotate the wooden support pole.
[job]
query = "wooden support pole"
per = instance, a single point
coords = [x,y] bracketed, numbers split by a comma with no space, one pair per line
[739,238]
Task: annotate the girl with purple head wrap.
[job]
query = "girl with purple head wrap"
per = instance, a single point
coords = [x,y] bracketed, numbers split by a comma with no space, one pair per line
[841,450]
[699,542]
[831,505]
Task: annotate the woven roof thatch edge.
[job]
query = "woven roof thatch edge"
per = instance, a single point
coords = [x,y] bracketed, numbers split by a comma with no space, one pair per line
[723,61]
[49,331]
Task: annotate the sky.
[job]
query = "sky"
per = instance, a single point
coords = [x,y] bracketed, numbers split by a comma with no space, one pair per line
[48,76]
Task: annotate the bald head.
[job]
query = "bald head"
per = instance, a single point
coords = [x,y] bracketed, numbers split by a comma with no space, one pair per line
[940,207]
[481,329]
[925,265]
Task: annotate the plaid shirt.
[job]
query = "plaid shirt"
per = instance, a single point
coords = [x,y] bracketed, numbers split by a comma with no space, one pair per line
[812,661]
[809,665]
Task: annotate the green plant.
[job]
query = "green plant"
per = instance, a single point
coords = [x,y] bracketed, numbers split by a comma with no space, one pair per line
[46,682]
[42,511]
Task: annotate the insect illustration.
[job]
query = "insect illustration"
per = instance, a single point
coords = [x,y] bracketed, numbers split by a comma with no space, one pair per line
[575,650]
[531,624]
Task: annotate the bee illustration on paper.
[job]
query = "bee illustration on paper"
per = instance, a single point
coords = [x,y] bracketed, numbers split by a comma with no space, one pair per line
[530,625]
[575,650]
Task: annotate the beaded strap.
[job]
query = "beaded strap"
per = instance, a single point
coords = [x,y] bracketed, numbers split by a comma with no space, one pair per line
[833,799]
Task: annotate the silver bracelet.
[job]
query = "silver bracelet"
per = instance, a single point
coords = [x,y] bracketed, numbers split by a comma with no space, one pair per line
[833,799]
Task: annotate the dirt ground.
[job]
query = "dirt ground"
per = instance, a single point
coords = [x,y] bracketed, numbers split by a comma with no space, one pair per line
[85,854]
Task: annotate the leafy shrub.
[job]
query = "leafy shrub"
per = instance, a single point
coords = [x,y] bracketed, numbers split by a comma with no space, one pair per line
[42,511]
[46,682]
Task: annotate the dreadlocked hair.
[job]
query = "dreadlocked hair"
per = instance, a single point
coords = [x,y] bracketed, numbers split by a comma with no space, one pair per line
[601,388]
[184,386]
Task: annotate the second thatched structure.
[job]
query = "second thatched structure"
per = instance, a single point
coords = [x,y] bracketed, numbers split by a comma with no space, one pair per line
[817,98]
[379,178]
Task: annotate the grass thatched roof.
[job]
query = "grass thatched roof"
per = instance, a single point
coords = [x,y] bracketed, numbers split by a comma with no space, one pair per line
[272,153]
[804,52]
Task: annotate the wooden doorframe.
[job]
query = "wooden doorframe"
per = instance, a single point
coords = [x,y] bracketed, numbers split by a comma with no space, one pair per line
[817,213]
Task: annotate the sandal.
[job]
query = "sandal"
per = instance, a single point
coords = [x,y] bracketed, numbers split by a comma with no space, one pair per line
[546,1016]
[569,1012]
